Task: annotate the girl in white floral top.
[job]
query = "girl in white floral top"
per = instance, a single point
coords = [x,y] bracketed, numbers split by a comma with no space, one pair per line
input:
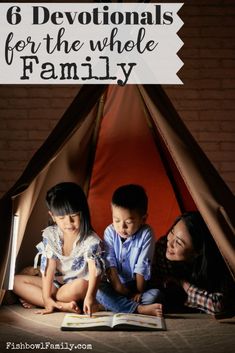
[71,261]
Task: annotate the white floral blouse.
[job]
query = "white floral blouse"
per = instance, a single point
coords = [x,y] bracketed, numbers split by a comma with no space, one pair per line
[75,265]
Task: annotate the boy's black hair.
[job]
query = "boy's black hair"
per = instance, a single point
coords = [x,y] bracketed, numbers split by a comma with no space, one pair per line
[132,197]
[68,198]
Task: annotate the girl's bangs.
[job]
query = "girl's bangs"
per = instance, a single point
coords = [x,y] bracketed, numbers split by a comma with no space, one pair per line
[63,207]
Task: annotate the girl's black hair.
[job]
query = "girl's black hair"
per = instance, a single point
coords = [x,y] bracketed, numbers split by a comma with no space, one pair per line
[68,198]
[208,267]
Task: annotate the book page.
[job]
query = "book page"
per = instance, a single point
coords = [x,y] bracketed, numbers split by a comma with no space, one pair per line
[80,322]
[138,320]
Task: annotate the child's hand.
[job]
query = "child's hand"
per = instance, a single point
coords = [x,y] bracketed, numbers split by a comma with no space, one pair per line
[50,305]
[88,304]
[136,297]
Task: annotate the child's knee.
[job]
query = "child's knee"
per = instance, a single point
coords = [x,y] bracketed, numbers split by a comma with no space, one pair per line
[19,283]
[77,290]
[156,295]
[18,279]
[151,296]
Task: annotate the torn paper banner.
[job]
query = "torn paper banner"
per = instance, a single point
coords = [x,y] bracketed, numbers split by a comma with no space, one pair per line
[79,43]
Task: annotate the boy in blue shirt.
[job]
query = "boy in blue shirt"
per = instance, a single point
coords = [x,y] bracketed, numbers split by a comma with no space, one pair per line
[129,247]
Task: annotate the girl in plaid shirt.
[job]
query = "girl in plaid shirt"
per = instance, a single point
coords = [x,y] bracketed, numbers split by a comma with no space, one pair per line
[189,269]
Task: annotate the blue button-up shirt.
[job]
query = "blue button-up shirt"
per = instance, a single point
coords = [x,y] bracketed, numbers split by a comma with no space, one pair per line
[132,256]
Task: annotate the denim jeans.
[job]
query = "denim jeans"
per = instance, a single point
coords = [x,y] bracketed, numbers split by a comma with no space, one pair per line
[113,301]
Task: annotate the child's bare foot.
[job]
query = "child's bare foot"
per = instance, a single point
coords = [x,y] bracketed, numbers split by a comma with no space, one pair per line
[25,304]
[70,307]
[151,309]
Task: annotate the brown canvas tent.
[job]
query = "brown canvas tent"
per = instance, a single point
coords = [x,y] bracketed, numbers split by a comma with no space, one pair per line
[110,136]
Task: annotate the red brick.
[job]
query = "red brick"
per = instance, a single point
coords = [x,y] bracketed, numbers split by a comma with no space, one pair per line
[189,115]
[229,176]
[202,83]
[65,92]
[220,73]
[228,63]
[216,10]
[44,113]
[25,103]
[228,83]
[15,165]
[13,155]
[3,144]
[204,126]
[189,73]
[217,94]
[209,21]
[218,136]
[214,53]
[2,165]
[13,135]
[3,103]
[202,43]
[220,115]
[24,145]
[228,146]
[9,177]
[223,32]
[210,146]
[9,91]
[189,53]
[184,93]
[220,156]
[227,126]
[189,32]
[13,113]
[199,104]
[204,63]
[38,135]
[59,103]
[41,92]
[28,124]
[3,124]
[227,167]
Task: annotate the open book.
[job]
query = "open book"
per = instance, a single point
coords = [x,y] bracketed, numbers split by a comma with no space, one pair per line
[109,321]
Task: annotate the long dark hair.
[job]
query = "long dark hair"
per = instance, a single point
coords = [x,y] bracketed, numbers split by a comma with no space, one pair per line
[208,269]
[68,198]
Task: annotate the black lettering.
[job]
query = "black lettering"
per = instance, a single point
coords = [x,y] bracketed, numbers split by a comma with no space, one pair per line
[28,66]
[45,13]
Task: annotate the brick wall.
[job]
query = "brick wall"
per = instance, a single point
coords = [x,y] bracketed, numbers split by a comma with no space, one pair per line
[206,101]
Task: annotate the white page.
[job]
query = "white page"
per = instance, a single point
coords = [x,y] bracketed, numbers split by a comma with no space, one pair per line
[151,322]
[84,321]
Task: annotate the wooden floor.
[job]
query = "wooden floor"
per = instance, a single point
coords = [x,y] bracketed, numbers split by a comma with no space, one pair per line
[22,330]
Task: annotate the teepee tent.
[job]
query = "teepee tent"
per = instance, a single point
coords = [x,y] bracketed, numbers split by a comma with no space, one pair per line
[110,136]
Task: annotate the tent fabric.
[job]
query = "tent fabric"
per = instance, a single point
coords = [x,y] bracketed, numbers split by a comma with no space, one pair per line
[133,118]
[126,153]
